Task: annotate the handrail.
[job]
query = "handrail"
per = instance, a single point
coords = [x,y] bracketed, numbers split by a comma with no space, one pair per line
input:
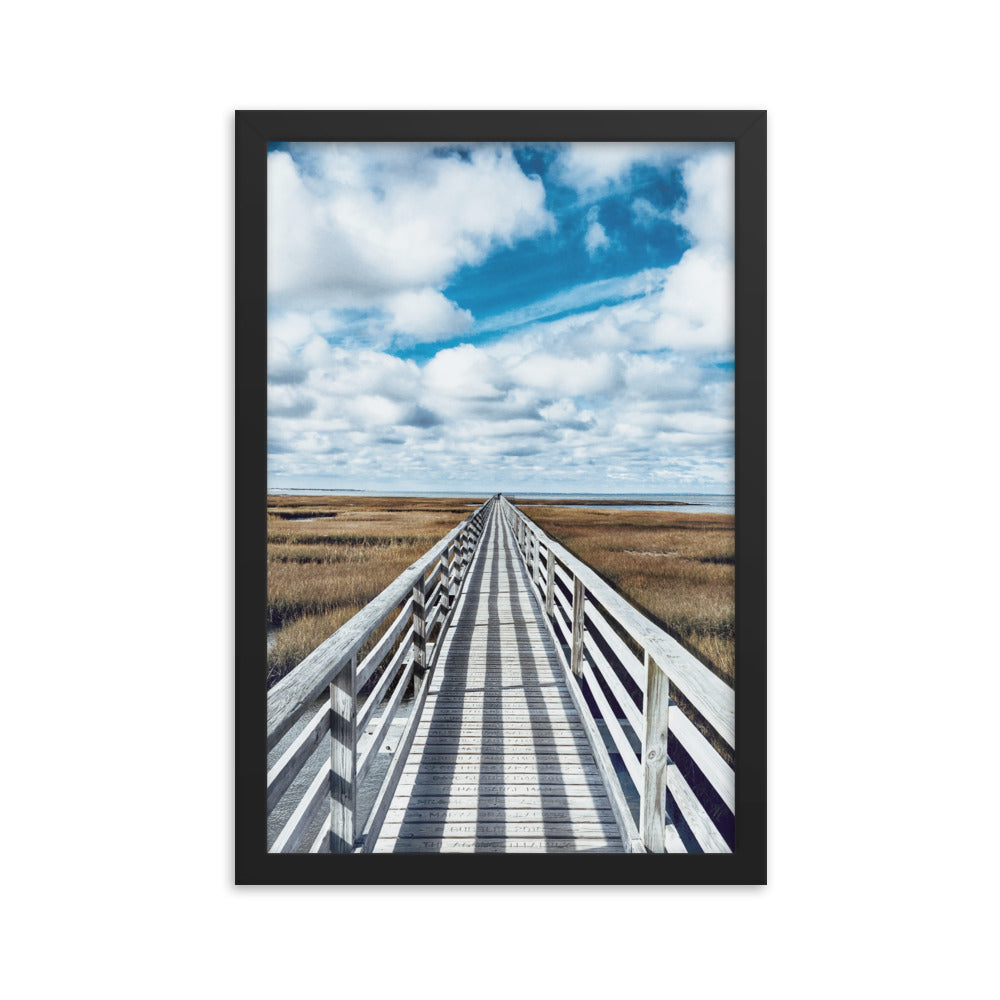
[675,770]
[414,610]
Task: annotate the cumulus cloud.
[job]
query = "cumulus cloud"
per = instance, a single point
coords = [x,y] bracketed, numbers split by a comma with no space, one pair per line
[427,315]
[594,167]
[625,382]
[349,226]
[709,208]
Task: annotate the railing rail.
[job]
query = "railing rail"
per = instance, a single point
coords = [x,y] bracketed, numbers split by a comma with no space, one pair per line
[620,667]
[414,611]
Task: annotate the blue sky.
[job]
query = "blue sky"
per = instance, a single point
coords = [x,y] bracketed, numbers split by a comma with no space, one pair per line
[501,317]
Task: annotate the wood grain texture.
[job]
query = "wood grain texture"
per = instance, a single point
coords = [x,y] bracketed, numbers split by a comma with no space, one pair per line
[288,766]
[579,616]
[343,761]
[500,752]
[294,693]
[500,759]
[653,790]
[710,695]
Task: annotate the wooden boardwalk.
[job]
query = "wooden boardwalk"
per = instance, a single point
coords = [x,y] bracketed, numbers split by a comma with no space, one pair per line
[500,760]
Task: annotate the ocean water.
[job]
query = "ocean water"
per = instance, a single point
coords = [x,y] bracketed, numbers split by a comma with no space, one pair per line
[715,503]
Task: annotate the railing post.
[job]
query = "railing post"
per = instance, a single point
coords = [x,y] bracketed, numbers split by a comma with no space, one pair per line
[419,637]
[576,655]
[453,556]
[653,794]
[343,759]
[550,581]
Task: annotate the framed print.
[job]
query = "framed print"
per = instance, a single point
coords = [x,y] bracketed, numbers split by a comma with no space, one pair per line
[500,497]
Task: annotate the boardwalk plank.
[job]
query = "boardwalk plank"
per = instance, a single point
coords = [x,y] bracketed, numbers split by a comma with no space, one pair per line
[500,760]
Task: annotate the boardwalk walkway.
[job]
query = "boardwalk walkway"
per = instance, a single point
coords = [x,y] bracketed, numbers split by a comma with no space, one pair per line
[500,761]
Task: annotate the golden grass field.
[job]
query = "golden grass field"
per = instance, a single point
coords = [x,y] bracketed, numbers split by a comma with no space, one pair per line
[327,557]
[679,568]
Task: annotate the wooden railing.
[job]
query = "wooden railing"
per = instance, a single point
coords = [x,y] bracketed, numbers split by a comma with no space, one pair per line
[620,667]
[399,634]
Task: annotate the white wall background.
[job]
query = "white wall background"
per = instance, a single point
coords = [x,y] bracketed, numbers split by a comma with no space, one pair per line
[117,191]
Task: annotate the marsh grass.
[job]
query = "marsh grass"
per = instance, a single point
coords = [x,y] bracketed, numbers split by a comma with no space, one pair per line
[321,572]
[678,568]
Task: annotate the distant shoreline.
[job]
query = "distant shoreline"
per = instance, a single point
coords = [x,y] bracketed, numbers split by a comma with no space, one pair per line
[605,503]
[690,502]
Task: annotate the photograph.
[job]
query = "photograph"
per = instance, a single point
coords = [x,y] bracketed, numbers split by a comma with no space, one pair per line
[501,498]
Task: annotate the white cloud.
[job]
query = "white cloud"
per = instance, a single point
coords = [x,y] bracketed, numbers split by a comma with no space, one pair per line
[355,224]
[465,373]
[622,395]
[593,167]
[559,375]
[646,214]
[426,314]
[689,308]
[695,310]
[596,238]
[709,210]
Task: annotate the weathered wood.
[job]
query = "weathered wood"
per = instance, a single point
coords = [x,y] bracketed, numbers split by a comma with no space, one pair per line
[506,771]
[632,665]
[498,716]
[470,755]
[371,662]
[501,829]
[421,799]
[305,812]
[584,785]
[419,633]
[564,576]
[431,603]
[615,730]
[293,694]
[550,580]
[494,755]
[502,813]
[500,742]
[288,766]
[321,845]
[616,795]
[622,697]
[711,697]
[343,761]
[382,686]
[719,774]
[372,748]
[387,790]
[500,845]
[579,594]
[697,819]
[653,790]
[453,574]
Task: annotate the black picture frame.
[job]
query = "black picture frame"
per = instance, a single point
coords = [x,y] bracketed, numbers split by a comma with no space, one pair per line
[254,130]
